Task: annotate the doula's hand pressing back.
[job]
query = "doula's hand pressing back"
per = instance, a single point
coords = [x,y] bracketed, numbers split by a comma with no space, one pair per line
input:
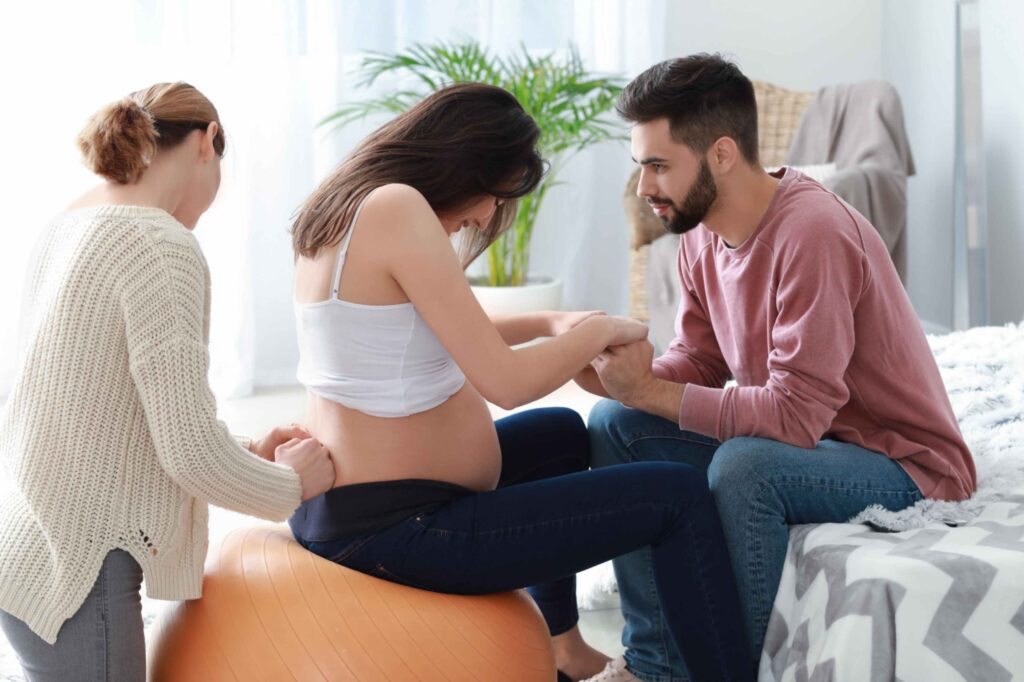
[279,435]
[311,461]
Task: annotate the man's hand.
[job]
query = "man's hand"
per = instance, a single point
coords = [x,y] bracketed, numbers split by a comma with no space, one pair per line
[625,370]
[588,380]
[625,373]
[279,435]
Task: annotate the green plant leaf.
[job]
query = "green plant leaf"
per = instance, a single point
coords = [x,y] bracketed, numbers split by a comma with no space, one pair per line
[571,105]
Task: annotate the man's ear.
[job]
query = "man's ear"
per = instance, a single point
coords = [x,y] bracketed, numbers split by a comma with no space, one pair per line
[723,155]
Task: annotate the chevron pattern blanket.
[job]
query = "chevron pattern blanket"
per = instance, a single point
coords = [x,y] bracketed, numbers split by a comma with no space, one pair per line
[942,598]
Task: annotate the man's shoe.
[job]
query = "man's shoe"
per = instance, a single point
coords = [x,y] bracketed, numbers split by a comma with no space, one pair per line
[615,671]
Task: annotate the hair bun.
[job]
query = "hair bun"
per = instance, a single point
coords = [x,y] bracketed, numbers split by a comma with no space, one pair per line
[119,141]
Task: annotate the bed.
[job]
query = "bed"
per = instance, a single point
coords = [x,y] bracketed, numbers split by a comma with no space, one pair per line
[933,593]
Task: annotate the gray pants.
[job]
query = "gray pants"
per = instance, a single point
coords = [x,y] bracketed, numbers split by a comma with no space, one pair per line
[102,641]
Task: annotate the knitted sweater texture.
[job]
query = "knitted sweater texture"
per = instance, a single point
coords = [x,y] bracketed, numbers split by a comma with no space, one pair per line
[110,438]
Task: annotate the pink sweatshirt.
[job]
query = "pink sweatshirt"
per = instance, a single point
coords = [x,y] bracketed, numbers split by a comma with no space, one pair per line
[809,317]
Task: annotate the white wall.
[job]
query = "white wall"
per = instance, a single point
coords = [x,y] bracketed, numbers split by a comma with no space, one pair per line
[1002,58]
[798,44]
[919,58]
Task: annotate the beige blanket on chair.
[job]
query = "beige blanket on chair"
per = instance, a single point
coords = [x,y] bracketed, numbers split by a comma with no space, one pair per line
[859,127]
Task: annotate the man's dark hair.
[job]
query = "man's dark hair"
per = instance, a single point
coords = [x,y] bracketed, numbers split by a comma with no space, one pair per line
[704,97]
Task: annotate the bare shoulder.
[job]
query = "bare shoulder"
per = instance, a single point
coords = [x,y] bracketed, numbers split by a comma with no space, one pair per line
[401,221]
[398,193]
[398,201]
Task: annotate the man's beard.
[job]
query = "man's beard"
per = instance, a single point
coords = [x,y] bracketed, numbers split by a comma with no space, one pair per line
[695,206]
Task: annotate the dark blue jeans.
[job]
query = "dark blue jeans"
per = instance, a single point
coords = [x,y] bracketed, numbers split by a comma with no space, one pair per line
[550,518]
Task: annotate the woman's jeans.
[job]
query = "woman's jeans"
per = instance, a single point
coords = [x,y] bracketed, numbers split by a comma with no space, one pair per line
[760,488]
[550,518]
[102,641]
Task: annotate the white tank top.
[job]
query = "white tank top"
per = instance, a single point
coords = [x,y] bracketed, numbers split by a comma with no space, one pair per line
[382,360]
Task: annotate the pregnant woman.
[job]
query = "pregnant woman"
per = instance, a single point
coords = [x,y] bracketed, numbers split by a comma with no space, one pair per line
[399,360]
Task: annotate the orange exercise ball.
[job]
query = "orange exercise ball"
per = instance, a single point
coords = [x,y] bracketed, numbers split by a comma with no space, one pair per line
[273,611]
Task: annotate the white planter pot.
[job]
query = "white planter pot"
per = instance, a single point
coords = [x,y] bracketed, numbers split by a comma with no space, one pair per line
[539,293]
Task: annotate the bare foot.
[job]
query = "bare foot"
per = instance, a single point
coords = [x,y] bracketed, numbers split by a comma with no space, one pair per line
[576,658]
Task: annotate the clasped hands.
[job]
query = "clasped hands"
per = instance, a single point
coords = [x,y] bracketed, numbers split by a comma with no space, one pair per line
[625,371]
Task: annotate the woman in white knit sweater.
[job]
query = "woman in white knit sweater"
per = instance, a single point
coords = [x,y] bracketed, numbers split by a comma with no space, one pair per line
[109,444]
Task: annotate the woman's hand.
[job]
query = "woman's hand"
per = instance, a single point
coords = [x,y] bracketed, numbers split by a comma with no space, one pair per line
[311,461]
[562,321]
[264,447]
[618,331]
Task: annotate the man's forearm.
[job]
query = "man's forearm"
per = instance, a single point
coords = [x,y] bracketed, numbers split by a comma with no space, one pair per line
[659,397]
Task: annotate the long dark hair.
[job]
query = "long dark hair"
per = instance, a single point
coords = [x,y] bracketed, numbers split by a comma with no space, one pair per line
[460,143]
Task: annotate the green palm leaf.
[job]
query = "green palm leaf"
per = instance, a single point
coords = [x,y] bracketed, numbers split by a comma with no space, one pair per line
[570,105]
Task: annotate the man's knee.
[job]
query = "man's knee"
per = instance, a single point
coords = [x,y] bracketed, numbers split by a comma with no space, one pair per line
[740,479]
[607,444]
[739,465]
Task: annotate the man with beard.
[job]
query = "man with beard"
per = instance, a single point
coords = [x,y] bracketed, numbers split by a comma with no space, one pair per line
[837,403]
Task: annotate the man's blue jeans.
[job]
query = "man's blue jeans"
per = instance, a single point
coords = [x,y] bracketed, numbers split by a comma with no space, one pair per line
[760,487]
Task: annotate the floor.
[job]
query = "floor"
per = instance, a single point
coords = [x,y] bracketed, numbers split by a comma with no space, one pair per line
[601,625]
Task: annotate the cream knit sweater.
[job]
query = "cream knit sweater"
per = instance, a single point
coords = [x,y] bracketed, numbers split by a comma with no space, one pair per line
[110,438]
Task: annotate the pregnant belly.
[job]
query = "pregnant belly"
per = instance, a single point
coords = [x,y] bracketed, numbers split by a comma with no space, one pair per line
[454,442]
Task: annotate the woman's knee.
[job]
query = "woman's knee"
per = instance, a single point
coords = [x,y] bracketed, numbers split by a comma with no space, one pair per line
[669,483]
[569,436]
[546,433]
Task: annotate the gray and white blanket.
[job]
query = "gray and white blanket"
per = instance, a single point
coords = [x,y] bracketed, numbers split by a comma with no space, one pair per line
[943,598]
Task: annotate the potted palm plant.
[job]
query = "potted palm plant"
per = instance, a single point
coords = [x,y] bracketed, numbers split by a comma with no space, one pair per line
[570,105]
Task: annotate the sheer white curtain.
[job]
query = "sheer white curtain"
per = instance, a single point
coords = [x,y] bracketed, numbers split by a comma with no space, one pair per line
[274,68]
